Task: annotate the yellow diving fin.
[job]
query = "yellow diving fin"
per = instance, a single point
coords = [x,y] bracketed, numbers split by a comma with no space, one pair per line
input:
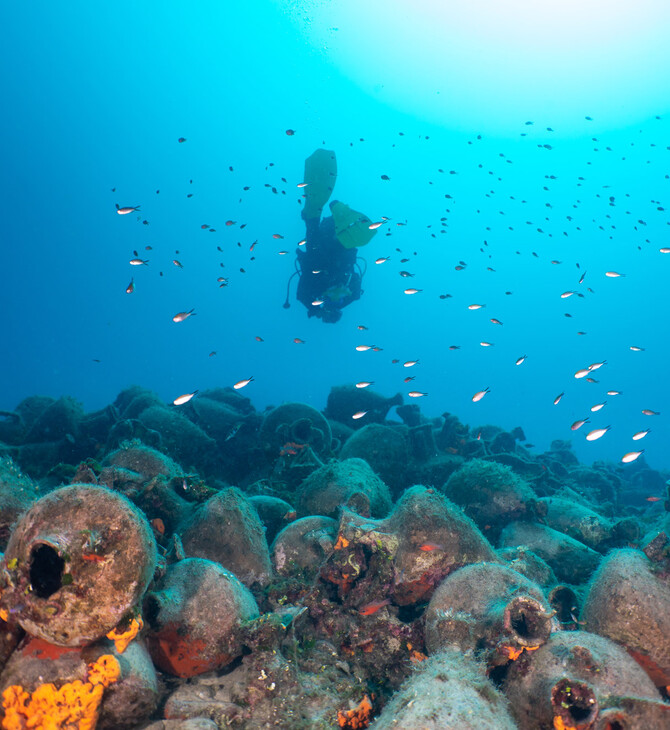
[352,229]
[320,176]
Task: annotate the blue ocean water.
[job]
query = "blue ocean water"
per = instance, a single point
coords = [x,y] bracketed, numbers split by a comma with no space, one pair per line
[96,97]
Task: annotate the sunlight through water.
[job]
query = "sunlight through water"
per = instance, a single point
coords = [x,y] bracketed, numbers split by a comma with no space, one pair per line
[487,64]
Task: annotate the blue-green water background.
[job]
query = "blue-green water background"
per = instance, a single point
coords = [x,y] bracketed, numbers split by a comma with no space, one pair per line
[95,97]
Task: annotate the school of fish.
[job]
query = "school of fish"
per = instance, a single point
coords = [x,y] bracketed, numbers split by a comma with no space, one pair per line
[578,290]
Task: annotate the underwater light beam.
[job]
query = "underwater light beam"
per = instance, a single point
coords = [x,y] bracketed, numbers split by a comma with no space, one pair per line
[490,64]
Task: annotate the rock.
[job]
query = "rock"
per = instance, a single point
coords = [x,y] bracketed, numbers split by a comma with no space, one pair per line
[265,690]
[194,723]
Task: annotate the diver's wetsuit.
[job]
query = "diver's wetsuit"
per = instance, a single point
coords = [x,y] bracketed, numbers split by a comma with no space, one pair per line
[334,265]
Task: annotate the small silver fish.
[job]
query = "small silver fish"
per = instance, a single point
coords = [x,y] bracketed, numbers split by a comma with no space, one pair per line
[242,383]
[127,209]
[181,316]
[597,433]
[184,398]
[480,394]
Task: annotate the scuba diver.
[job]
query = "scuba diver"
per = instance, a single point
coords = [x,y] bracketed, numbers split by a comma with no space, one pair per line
[330,277]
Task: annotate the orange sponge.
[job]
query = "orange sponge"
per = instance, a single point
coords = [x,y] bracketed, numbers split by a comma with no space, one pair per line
[358,718]
[75,705]
[121,638]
